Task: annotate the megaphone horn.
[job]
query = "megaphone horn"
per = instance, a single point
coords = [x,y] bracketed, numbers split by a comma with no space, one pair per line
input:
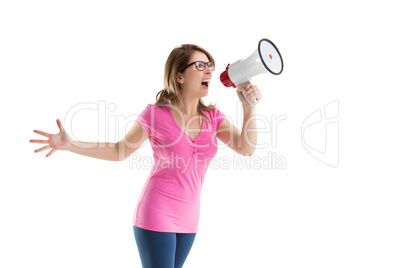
[265,58]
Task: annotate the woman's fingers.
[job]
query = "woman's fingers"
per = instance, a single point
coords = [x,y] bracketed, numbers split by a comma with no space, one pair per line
[42,133]
[254,93]
[55,140]
[240,89]
[251,94]
[42,149]
[51,152]
[248,85]
[39,141]
[59,125]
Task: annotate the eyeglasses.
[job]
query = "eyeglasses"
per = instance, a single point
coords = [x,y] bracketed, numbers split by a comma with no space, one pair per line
[201,65]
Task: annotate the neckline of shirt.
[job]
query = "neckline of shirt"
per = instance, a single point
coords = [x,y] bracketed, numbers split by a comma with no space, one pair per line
[174,120]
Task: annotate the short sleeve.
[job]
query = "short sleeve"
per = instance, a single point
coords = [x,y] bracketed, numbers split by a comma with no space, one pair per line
[147,119]
[218,117]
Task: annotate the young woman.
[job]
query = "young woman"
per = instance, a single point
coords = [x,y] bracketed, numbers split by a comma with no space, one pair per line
[183,133]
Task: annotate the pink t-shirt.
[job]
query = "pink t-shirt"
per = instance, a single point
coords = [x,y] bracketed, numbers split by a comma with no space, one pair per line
[170,198]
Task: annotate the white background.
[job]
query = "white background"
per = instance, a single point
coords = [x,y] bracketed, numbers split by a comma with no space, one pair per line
[73,211]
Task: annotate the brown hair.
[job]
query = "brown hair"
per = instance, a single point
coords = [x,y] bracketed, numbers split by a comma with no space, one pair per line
[177,60]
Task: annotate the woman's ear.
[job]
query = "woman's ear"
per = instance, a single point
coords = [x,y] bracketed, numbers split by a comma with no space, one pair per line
[180,78]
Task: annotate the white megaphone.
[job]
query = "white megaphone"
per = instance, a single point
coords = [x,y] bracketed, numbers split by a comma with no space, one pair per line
[265,58]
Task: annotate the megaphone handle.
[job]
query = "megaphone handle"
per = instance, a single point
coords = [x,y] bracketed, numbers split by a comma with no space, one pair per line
[252,103]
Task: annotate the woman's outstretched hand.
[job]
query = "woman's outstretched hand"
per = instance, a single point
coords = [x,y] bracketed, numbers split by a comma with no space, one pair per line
[60,141]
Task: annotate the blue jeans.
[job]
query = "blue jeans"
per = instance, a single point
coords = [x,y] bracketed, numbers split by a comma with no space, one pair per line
[162,249]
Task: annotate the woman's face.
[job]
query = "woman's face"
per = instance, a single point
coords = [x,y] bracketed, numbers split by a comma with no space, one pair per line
[194,82]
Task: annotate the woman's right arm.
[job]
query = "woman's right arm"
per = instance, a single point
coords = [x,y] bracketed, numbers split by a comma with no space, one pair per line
[106,151]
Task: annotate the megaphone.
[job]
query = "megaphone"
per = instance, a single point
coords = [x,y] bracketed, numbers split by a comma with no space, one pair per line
[265,58]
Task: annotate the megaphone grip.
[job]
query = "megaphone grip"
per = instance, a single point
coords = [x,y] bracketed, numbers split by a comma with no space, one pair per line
[253,102]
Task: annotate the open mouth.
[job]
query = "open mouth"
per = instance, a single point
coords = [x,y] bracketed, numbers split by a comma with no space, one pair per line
[205,84]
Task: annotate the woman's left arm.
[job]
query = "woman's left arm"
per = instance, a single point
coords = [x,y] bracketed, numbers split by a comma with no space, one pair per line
[244,141]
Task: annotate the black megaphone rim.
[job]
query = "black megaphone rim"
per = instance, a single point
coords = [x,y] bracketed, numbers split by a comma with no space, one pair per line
[280,56]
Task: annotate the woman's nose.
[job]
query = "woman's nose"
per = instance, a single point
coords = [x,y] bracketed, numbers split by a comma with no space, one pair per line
[208,70]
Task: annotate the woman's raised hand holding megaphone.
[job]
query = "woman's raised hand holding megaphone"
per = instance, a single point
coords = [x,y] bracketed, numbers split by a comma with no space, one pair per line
[249,91]
[266,58]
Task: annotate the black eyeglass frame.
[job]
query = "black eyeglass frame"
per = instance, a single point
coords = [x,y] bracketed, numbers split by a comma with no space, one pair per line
[205,66]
